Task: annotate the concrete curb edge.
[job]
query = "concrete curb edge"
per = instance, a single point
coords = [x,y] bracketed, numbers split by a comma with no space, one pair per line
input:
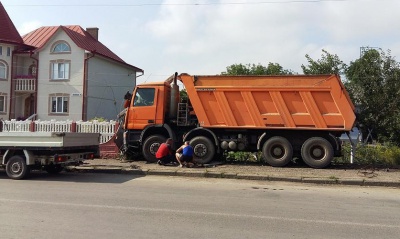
[140,172]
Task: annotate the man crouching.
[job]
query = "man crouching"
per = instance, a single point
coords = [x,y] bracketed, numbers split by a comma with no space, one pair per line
[185,154]
[164,153]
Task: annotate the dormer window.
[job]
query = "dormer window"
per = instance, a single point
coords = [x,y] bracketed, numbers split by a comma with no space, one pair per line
[61,47]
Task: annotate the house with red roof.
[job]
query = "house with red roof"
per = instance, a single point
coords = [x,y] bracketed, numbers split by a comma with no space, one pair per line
[60,72]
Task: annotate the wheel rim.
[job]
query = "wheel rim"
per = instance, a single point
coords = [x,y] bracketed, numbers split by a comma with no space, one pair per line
[200,150]
[317,152]
[154,147]
[16,168]
[277,151]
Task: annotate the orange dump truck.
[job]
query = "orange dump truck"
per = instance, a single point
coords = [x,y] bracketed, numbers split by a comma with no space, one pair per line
[284,117]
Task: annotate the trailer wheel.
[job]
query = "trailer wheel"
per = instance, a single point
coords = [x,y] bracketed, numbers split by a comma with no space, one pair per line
[150,147]
[16,167]
[317,152]
[277,151]
[54,169]
[203,148]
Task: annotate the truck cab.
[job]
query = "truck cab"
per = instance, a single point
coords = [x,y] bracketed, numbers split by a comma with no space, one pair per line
[148,118]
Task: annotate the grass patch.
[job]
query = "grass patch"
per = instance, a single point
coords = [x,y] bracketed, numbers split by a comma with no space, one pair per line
[386,155]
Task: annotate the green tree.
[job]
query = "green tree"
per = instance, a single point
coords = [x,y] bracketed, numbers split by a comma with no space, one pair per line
[237,69]
[253,69]
[328,64]
[373,82]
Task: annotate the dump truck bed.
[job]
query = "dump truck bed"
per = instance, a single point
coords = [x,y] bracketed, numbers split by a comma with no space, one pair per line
[284,102]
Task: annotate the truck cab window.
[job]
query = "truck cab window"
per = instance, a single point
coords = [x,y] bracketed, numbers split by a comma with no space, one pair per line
[144,97]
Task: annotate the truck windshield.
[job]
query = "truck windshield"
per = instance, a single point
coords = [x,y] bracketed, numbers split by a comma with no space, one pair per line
[144,97]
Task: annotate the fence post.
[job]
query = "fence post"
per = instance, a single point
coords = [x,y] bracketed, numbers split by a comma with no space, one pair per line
[116,126]
[73,126]
[32,126]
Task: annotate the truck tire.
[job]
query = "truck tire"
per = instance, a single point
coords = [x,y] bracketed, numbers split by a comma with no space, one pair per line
[16,167]
[54,169]
[317,152]
[150,147]
[204,149]
[277,151]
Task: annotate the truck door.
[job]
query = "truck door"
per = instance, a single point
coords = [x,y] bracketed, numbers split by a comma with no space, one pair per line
[144,108]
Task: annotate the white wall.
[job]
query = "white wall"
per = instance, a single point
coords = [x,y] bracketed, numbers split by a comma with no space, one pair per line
[107,84]
[73,85]
[6,84]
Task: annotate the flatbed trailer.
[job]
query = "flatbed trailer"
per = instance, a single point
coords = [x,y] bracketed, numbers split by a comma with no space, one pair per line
[21,152]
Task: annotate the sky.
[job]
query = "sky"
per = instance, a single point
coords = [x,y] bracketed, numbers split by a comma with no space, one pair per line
[203,37]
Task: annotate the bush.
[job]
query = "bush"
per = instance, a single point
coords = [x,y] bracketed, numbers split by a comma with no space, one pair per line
[386,155]
[380,154]
[99,119]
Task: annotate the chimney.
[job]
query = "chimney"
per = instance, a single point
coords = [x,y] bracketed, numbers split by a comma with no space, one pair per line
[94,32]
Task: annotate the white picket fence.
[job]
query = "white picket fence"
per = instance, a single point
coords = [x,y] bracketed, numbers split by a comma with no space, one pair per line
[16,126]
[53,126]
[106,128]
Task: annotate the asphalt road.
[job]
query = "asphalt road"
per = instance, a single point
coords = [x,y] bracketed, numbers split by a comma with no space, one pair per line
[73,205]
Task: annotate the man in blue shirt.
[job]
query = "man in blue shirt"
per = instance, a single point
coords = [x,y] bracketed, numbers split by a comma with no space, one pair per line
[184,154]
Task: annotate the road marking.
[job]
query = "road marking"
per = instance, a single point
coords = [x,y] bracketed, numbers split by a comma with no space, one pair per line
[201,213]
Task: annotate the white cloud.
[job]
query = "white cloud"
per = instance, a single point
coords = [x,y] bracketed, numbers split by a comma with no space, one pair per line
[208,38]
[27,27]
[205,39]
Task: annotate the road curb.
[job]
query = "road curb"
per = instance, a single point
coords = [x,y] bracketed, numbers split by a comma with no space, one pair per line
[161,172]
[191,174]
[155,172]
[381,183]
[252,177]
[320,180]
[355,182]
[286,179]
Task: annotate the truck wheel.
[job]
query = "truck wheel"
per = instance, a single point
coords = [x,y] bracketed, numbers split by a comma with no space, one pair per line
[54,169]
[16,167]
[203,148]
[277,151]
[317,152]
[150,147]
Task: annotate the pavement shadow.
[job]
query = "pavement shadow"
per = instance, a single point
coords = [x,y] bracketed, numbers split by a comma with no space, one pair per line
[76,177]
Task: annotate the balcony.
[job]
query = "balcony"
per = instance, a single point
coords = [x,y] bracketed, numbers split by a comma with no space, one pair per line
[24,83]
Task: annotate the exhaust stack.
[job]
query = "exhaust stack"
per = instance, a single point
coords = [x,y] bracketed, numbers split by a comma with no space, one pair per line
[174,100]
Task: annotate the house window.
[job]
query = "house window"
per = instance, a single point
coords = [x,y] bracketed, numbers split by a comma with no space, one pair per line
[59,70]
[3,70]
[59,104]
[61,47]
[8,51]
[3,102]
[1,50]
[32,70]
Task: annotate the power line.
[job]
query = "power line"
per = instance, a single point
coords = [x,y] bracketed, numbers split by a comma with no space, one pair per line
[175,4]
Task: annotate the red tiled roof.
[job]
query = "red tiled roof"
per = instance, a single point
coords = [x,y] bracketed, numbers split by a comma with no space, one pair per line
[39,37]
[8,32]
